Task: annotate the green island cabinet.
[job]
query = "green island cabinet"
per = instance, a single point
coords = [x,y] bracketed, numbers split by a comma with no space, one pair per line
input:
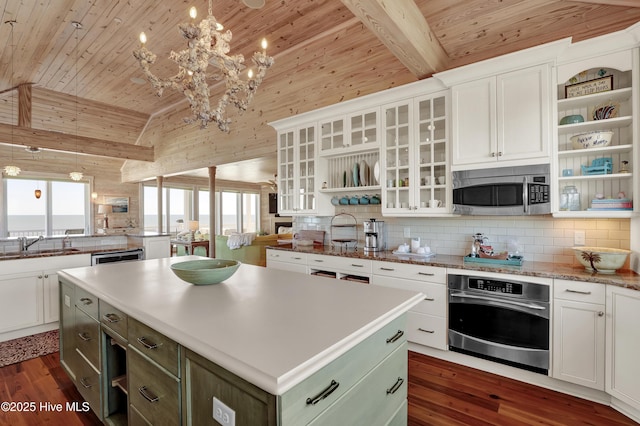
[130,373]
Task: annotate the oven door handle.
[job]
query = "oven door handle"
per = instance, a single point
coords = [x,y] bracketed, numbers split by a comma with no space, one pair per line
[506,302]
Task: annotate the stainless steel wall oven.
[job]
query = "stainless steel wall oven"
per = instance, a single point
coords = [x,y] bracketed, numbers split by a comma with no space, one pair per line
[501,320]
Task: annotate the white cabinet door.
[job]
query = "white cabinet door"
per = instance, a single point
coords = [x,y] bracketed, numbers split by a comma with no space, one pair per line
[578,343]
[21,301]
[156,247]
[523,114]
[51,299]
[473,122]
[623,345]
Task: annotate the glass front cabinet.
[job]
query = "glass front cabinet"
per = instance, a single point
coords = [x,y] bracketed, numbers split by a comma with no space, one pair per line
[415,156]
[298,172]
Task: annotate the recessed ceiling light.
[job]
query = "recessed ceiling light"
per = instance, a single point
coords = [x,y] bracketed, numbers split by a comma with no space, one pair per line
[138,80]
[254,4]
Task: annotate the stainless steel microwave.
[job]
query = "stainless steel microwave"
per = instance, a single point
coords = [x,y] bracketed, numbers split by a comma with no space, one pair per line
[504,191]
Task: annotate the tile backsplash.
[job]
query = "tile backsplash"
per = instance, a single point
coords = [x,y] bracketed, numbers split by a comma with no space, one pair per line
[538,238]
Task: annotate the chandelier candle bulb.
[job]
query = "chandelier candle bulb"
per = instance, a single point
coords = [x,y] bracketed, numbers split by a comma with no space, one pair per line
[193,12]
[143,38]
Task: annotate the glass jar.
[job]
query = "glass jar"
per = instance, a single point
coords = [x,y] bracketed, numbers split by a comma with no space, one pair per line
[570,199]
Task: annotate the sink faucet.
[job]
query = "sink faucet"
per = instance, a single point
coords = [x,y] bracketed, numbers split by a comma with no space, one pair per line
[25,243]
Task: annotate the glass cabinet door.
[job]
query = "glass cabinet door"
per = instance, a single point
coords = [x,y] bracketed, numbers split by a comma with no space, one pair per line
[364,129]
[306,177]
[332,134]
[286,163]
[431,153]
[397,135]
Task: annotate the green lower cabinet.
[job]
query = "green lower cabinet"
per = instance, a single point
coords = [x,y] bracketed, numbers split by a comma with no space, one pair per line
[375,399]
[88,382]
[153,392]
[68,354]
[204,380]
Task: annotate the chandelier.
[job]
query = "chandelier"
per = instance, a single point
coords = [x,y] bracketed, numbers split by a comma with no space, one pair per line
[207,44]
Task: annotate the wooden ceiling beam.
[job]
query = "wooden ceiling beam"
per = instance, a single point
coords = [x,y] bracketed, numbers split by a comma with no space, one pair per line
[624,3]
[64,142]
[402,28]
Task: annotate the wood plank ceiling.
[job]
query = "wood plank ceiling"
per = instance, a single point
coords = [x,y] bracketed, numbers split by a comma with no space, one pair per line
[326,51]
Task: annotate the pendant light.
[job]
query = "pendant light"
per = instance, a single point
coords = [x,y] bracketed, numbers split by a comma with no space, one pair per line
[37,192]
[12,170]
[76,176]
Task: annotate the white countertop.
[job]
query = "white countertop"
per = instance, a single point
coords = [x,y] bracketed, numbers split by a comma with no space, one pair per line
[273,328]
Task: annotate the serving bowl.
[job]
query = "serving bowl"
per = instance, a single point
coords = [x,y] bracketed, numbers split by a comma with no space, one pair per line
[591,139]
[601,259]
[571,119]
[205,271]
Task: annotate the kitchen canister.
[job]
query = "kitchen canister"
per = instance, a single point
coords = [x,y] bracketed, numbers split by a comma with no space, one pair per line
[570,198]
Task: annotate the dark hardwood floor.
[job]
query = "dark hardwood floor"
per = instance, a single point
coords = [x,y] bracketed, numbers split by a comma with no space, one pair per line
[440,393]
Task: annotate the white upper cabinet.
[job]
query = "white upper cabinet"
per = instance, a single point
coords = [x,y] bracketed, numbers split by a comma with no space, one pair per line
[502,118]
[353,132]
[298,172]
[414,156]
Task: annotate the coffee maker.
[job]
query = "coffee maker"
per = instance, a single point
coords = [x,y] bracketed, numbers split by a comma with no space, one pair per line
[374,238]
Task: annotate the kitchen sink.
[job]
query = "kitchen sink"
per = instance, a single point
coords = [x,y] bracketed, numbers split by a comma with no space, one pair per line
[50,252]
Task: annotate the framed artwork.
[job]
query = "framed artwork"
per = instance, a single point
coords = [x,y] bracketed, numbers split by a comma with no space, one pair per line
[597,85]
[118,204]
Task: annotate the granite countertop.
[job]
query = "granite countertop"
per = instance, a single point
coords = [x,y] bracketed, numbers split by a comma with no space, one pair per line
[273,328]
[622,278]
[31,254]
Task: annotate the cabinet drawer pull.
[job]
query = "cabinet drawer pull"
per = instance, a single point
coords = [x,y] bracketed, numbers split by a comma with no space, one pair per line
[148,345]
[84,336]
[112,318]
[428,274]
[426,331]
[325,393]
[393,389]
[395,337]
[577,291]
[355,265]
[429,299]
[318,260]
[296,258]
[148,395]
[387,269]
[85,384]
[86,301]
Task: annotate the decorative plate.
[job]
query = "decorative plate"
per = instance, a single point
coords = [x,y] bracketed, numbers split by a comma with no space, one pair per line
[364,173]
[355,174]
[376,172]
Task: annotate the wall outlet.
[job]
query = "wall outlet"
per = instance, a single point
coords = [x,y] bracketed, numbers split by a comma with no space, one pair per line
[223,414]
[407,232]
[578,238]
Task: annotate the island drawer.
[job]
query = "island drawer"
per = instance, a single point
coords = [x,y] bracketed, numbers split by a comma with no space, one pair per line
[88,384]
[87,302]
[427,330]
[426,273]
[579,291]
[88,337]
[152,392]
[378,396]
[114,319]
[155,345]
[309,398]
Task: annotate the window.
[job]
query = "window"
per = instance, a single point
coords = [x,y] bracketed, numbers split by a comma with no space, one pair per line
[63,205]
[236,211]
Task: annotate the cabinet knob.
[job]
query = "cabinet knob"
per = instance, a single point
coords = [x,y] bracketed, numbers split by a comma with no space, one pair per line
[46,275]
[493,154]
[39,277]
[499,153]
[600,314]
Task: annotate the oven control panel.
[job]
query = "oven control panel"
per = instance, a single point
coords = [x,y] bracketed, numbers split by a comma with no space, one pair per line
[495,286]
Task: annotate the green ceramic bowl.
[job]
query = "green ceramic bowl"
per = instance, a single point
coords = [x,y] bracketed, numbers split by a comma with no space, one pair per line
[572,119]
[205,271]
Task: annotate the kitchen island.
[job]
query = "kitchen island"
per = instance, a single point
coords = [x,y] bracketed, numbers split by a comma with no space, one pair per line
[304,349]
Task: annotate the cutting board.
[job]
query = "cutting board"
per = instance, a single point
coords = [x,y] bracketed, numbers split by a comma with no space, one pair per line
[316,236]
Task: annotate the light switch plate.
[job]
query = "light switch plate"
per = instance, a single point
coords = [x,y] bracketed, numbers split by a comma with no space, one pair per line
[407,232]
[578,238]
[223,414]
